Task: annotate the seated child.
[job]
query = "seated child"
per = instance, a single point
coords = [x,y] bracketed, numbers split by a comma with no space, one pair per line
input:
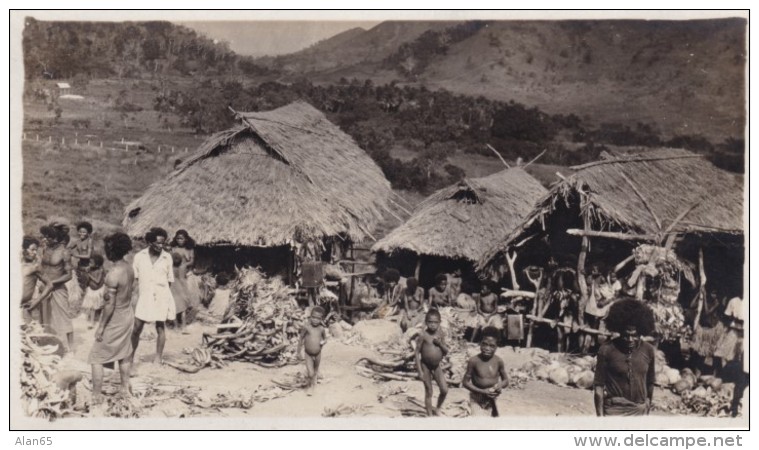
[313,336]
[485,376]
[220,301]
[439,295]
[93,295]
[429,352]
[412,301]
[487,307]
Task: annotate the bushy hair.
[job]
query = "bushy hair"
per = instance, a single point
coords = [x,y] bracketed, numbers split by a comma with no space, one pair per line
[490,332]
[56,231]
[29,241]
[392,276]
[86,225]
[318,309]
[433,312]
[116,246]
[412,283]
[629,312]
[97,260]
[189,242]
[154,233]
[440,277]
[489,284]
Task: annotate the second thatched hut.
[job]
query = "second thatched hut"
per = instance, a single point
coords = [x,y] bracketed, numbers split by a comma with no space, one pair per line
[455,226]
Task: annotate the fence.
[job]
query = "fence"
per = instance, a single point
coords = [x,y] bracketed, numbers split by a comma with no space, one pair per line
[124,144]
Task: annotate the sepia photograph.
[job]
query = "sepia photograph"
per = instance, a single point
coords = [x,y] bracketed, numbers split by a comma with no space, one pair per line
[379,220]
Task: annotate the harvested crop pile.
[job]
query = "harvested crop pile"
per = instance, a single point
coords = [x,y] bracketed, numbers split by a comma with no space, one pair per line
[560,368]
[397,357]
[41,395]
[705,395]
[670,321]
[665,375]
[261,325]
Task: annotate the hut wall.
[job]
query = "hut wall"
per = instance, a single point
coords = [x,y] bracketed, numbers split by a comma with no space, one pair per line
[272,260]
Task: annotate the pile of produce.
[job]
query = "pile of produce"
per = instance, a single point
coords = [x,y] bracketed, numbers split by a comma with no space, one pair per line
[559,368]
[397,357]
[42,395]
[261,325]
[670,320]
[665,375]
[704,395]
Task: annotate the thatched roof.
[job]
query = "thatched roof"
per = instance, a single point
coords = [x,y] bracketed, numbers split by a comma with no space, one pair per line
[283,175]
[464,220]
[630,192]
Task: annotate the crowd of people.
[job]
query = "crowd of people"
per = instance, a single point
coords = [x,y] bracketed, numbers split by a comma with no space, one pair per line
[62,279]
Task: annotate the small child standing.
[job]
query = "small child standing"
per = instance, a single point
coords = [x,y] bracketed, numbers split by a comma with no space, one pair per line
[429,352]
[313,336]
[93,296]
[485,376]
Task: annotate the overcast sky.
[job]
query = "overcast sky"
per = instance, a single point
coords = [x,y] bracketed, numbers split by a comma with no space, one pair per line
[273,38]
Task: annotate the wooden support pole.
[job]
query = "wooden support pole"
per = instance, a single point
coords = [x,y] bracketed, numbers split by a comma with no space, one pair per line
[499,156]
[611,235]
[553,322]
[581,281]
[418,268]
[353,279]
[511,259]
[507,293]
[701,287]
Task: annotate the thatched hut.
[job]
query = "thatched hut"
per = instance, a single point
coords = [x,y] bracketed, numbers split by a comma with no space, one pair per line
[281,178]
[665,198]
[461,222]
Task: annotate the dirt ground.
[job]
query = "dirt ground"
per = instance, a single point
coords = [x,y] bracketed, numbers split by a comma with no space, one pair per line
[341,386]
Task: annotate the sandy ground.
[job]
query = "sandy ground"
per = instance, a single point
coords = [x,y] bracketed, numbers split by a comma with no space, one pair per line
[341,385]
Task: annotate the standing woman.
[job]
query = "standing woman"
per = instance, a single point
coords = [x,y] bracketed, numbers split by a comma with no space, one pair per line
[183,255]
[113,337]
[55,271]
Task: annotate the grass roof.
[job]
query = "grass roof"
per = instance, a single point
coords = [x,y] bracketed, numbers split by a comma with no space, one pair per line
[282,175]
[465,219]
[643,191]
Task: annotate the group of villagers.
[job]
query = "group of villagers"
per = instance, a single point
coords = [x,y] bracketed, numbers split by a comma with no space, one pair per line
[63,278]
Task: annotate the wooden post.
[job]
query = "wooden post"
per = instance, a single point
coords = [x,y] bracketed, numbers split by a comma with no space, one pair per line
[701,288]
[50,139]
[511,260]
[581,281]
[38,137]
[353,278]
[418,268]
[290,267]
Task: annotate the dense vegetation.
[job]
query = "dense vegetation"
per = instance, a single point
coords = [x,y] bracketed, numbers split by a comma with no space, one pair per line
[429,125]
[59,50]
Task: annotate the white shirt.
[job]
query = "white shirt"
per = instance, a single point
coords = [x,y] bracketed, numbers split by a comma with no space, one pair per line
[154,302]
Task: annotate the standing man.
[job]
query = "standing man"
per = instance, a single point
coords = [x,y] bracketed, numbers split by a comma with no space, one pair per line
[154,270]
[625,373]
[113,337]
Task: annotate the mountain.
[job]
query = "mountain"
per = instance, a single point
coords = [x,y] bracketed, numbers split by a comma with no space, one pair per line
[683,77]
[354,47]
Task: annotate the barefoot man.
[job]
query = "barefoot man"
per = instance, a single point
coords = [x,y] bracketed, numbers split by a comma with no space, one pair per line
[154,269]
[113,337]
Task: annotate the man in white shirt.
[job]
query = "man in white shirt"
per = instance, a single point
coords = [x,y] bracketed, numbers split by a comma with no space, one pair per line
[153,269]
